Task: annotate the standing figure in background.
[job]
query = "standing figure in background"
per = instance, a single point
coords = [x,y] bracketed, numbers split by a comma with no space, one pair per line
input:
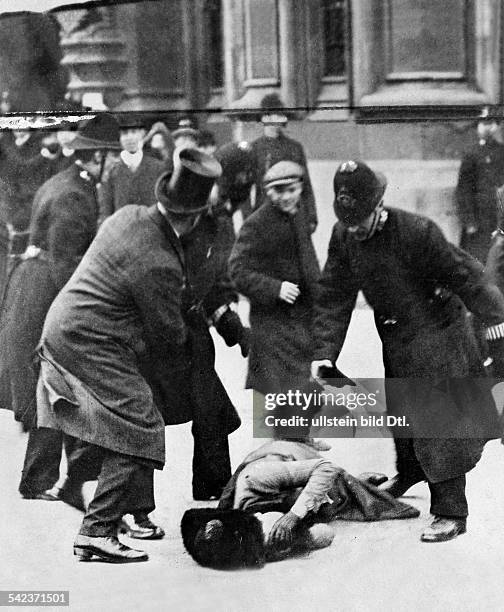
[63,225]
[274,146]
[481,172]
[273,264]
[132,179]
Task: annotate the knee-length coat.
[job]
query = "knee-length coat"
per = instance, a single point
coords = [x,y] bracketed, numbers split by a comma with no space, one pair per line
[420,288]
[63,224]
[273,247]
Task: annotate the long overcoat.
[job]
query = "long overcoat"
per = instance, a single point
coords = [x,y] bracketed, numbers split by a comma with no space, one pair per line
[273,247]
[420,288]
[481,172]
[116,322]
[63,226]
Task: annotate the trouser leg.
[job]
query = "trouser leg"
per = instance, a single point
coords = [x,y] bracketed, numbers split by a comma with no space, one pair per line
[407,463]
[448,497]
[211,463]
[142,501]
[42,461]
[117,486]
[84,460]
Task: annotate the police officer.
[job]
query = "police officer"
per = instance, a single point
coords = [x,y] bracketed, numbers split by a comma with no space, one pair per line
[419,287]
[481,172]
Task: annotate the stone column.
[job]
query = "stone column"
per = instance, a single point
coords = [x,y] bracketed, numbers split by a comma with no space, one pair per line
[93,51]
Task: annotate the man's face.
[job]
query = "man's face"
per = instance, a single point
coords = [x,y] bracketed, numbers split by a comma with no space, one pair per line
[131,139]
[487,129]
[365,229]
[286,197]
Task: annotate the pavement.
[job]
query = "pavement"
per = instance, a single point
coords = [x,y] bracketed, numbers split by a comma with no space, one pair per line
[369,567]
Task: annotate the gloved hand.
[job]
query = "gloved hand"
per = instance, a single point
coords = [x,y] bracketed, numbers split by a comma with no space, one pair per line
[496,349]
[325,370]
[233,332]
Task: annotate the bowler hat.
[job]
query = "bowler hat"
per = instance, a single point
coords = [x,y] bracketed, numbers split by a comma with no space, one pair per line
[100,132]
[185,190]
[273,110]
[283,173]
[235,157]
[223,539]
[358,190]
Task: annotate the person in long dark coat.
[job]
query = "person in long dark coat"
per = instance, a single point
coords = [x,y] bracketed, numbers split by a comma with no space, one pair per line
[481,172]
[133,178]
[63,224]
[420,288]
[275,146]
[273,264]
[114,347]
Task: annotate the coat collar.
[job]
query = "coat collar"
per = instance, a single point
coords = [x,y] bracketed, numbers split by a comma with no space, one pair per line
[162,222]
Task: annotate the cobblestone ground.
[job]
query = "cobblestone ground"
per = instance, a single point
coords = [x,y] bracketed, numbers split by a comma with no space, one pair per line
[377,566]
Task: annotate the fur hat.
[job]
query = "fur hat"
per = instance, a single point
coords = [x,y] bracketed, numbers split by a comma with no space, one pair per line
[223,539]
[237,177]
[100,132]
[185,190]
[358,190]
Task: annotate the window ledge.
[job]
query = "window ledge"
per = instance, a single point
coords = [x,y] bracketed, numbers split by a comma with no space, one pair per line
[425,94]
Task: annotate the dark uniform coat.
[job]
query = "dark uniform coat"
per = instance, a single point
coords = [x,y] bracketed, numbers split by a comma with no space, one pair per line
[267,152]
[124,187]
[481,172]
[117,321]
[63,226]
[419,287]
[273,247]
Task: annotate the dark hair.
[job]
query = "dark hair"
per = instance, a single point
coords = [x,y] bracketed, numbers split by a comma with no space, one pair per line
[84,155]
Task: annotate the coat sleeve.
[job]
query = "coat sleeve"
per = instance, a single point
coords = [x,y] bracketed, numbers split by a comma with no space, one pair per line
[446,265]
[106,198]
[308,195]
[494,268]
[466,191]
[335,301]
[158,295]
[246,268]
[71,229]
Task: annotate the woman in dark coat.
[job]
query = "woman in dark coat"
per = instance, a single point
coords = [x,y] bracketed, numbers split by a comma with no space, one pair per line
[273,263]
[419,287]
[63,224]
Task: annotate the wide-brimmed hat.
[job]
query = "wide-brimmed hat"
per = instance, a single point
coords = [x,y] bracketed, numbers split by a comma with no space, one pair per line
[185,190]
[132,121]
[357,190]
[283,173]
[100,132]
[223,539]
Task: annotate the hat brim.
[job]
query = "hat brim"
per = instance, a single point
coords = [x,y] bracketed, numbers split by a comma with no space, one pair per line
[80,143]
[283,181]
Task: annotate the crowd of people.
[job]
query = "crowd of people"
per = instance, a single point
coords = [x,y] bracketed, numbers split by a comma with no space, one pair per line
[123,254]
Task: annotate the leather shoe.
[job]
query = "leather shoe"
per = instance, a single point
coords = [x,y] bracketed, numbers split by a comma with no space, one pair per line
[444,528]
[142,529]
[398,485]
[107,549]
